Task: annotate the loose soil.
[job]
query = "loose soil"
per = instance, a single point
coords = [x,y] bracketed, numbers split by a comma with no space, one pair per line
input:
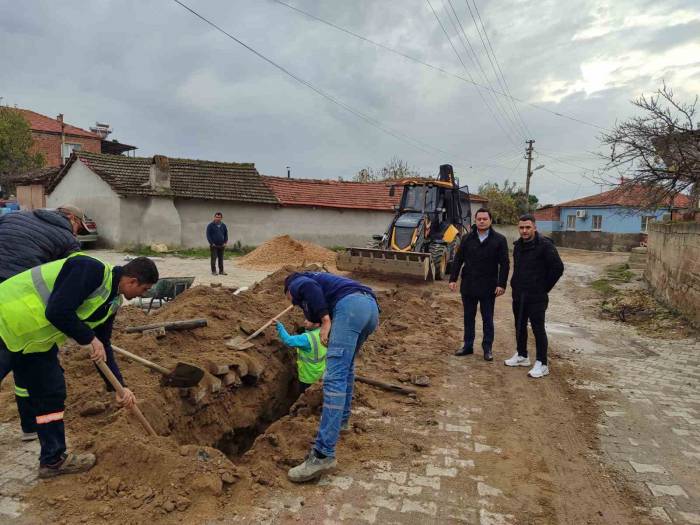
[284,250]
[232,452]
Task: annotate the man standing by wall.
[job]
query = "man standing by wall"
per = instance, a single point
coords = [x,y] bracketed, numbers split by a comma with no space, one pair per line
[482,258]
[217,236]
[28,239]
[536,269]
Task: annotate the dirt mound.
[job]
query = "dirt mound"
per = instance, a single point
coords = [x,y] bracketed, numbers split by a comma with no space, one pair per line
[285,250]
[213,456]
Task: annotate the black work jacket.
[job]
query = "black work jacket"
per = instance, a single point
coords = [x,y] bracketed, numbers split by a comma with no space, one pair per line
[536,269]
[484,265]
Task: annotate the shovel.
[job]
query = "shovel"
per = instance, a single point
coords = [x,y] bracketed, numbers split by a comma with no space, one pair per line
[183,375]
[239,343]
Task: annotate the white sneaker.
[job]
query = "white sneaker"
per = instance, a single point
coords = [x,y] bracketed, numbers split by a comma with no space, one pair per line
[539,370]
[517,360]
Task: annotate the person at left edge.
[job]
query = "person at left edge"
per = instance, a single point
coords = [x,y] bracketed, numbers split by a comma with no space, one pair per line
[76,297]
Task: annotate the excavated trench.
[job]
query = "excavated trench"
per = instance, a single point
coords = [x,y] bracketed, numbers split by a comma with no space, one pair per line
[233,418]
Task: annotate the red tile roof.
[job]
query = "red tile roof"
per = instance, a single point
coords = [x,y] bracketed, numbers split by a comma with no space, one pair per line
[547,213]
[42,123]
[189,178]
[337,194]
[629,195]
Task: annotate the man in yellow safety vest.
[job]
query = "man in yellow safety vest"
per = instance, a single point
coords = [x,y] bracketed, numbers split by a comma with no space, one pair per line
[76,297]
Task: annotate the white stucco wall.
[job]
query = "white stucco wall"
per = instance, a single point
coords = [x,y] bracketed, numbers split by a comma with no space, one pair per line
[81,187]
[254,224]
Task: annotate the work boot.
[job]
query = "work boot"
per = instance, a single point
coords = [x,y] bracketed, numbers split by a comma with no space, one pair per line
[222,273]
[517,360]
[464,351]
[29,436]
[311,468]
[71,463]
[488,355]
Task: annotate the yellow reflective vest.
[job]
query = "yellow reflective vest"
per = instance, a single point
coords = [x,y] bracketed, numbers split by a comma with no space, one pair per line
[311,363]
[23,300]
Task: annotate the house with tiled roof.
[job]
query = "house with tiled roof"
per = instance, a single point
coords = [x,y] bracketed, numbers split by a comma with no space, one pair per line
[614,220]
[144,200]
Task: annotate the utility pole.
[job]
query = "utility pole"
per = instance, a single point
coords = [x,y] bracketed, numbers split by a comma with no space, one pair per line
[528,151]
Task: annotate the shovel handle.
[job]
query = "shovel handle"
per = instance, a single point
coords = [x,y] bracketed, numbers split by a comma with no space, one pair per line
[120,390]
[139,359]
[259,330]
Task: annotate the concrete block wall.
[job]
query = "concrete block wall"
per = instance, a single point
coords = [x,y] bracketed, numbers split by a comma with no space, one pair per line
[673,266]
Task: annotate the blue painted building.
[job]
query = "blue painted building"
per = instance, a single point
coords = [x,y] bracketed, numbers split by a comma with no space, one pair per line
[614,220]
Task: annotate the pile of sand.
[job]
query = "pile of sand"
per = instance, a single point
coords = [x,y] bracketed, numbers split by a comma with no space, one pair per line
[285,250]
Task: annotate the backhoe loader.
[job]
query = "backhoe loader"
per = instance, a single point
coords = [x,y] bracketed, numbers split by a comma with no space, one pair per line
[424,233]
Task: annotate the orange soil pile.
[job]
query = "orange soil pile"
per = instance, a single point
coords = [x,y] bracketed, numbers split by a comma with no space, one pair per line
[285,250]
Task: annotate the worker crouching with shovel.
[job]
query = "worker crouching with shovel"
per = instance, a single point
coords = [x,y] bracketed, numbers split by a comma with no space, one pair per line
[76,297]
[348,313]
[311,352]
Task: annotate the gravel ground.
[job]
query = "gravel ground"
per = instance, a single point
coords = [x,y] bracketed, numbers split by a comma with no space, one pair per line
[171,266]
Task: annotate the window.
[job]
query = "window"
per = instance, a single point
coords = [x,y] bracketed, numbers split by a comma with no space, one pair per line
[646,219]
[597,223]
[68,148]
[571,222]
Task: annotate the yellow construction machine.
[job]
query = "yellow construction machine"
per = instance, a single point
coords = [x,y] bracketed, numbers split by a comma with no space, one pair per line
[424,234]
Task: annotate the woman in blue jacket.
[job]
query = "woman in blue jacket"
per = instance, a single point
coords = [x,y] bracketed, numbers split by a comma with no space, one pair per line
[348,314]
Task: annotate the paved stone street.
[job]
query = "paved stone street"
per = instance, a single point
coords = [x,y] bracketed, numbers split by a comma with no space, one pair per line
[18,470]
[651,427]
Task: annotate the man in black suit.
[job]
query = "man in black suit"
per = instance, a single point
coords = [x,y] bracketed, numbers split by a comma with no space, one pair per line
[482,258]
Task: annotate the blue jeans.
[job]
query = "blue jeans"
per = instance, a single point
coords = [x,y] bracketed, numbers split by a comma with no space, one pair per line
[355,317]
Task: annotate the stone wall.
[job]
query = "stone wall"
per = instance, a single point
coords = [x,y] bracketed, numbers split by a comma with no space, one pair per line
[597,241]
[673,266]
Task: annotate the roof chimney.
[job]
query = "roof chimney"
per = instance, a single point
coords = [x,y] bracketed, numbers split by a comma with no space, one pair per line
[63,137]
[159,173]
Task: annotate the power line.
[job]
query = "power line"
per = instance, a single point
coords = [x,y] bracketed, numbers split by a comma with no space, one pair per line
[504,84]
[471,53]
[434,67]
[370,120]
[493,114]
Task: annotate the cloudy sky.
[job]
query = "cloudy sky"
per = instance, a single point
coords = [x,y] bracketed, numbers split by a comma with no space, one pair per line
[171,84]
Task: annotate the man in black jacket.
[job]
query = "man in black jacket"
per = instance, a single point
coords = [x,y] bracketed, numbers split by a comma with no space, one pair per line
[536,269]
[28,239]
[482,257]
[31,238]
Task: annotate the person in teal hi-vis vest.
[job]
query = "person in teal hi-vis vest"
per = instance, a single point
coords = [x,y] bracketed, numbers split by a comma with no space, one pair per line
[311,353]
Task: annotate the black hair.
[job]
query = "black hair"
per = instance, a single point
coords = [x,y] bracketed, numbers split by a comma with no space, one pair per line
[218,213]
[143,269]
[527,217]
[483,210]
[288,280]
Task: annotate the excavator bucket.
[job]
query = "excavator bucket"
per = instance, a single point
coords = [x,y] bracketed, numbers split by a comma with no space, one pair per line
[386,262]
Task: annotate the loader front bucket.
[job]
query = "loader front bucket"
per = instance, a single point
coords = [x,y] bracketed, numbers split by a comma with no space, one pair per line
[386,262]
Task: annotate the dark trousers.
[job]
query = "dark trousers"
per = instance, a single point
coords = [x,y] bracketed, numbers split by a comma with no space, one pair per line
[41,375]
[217,254]
[26,416]
[535,313]
[487,304]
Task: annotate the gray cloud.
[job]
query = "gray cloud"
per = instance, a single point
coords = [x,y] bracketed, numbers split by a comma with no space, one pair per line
[170,84]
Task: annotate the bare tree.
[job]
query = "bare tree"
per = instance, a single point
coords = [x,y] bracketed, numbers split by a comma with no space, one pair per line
[395,169]
[658,150]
